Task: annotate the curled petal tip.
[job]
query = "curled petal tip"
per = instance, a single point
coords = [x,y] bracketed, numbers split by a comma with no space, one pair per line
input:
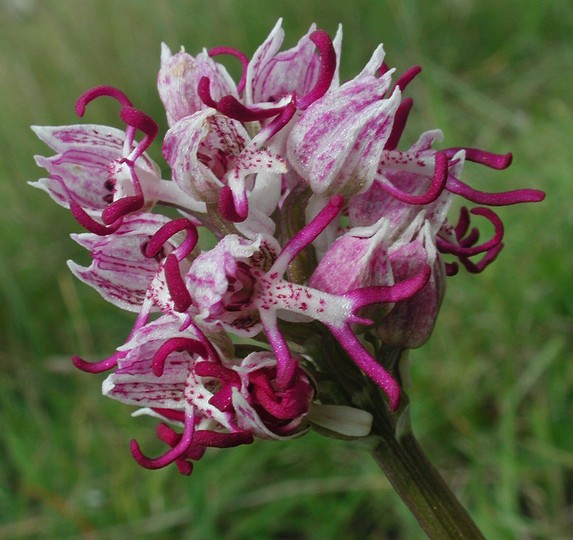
[122,207]
[93,226]
[139,120]
[141,459]
[229,210]
[94,367]
[176,284]
[327,68]
[204,92]
[97,91]
[237,54]
[164,233]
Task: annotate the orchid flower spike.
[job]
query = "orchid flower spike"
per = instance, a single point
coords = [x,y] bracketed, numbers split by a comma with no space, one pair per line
[306,231]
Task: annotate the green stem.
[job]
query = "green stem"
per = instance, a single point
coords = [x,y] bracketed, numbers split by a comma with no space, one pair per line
[395,448]
[420,485]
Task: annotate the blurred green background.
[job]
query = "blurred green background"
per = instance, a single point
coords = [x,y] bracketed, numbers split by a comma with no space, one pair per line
[491,391]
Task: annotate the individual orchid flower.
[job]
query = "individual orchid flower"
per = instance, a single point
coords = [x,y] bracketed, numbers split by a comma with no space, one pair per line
[337,142]
[298,73]
[120,271]
[177,375]
[411,322]
[240,285]
[102,174]
[143,276]
[178,81]
[213,160]
[358,258]
[383,254]
[277,83]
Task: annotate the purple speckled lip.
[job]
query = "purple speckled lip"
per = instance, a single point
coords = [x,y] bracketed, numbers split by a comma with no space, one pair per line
[299,213]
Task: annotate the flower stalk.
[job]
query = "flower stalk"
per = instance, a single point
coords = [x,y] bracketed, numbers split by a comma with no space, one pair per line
[419,484]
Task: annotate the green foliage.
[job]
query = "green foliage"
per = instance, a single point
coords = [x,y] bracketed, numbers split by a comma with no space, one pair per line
[491,391]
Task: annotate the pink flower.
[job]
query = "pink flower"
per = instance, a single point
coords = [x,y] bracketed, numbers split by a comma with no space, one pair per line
[177,375]
[213,158]
[304,229]
[179,78]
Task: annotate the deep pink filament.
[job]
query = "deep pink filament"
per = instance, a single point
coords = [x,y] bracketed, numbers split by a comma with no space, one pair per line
[140,121]
[489,159]
[176,284]
[237,54]
[387,294]
[400,120]
[504,198]
[97,367]
[98,91]
[466,245]
[93,226]
[439,182]
[367,363]
[167,231]
[407,77]
[175,344]
[171,455]
[326,71]
[308,233]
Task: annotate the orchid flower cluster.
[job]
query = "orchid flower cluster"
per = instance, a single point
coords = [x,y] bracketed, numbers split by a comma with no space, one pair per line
[295,208]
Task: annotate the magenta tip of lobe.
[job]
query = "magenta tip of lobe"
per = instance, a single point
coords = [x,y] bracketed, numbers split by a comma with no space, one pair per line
[94,367]
[97,91]
[139,120]
[185,467]
[86,221]
[327,69]
[228,208]
[122,207]
[204,92]
[537,195]
[507,160]
[408,77]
